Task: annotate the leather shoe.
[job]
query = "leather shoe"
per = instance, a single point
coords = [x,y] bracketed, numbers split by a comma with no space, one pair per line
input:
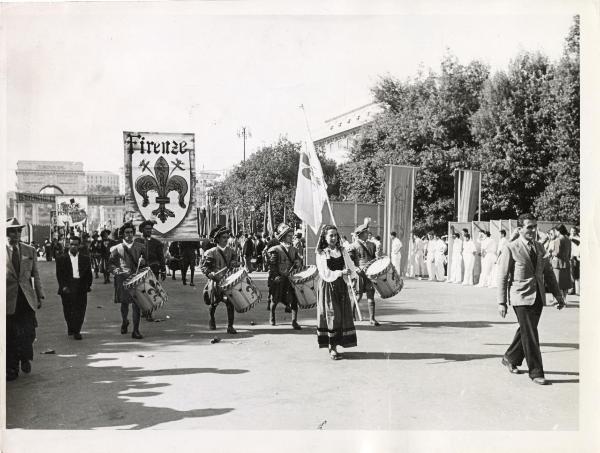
[77,336]
[374,323]
[296,326]
[11,375]
[26,366]
[231,330]
[184,282]
[192,284]
[511,368]
[124,326]
[137,335]
[540,381]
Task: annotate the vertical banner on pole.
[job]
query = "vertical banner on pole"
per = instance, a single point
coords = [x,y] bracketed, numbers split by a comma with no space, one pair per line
[160,178]
[467,194]
[399,192]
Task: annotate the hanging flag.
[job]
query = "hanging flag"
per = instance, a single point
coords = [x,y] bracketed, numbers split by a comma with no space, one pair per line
[270,225]
[467,194]
[311,190]
[398,205]
[284,216]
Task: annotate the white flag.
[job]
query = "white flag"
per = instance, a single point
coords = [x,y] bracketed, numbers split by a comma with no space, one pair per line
[311,191]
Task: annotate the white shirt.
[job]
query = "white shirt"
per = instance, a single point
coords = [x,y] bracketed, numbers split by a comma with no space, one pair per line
[396,246]
[75,264]
[468,248]
[457,247]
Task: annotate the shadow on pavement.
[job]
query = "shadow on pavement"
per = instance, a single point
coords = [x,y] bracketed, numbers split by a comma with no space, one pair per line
[417,356]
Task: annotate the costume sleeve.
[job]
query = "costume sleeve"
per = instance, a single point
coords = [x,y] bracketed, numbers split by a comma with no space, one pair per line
[325,273]
[208,263]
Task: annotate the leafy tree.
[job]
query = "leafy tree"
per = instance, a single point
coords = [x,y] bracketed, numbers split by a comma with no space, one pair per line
[272,170]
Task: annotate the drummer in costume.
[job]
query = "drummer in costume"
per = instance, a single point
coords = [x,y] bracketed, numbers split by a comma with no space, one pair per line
[217,261]
[362,252]
[153,249]
[123,263]
[95,253]
[335,326]
[283,261]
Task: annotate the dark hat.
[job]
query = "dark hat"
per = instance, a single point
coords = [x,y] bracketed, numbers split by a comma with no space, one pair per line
[125,226]
[105,231]
[217,231]
[146,222]
[282,230]
[361,228]
[95,234]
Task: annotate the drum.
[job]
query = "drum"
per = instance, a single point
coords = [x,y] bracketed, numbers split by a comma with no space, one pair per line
[305,286]
[146,291]
[240,290]
[384,277]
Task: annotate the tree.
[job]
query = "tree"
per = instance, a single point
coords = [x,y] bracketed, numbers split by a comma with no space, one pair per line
[425,124]
[272,170]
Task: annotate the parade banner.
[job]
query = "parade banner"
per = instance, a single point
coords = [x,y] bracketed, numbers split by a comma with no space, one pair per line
[399,192]
[71,210]
[160,175]
[467,194]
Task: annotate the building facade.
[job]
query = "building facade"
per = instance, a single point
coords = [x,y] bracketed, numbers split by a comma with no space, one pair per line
[101,181]
[205,179]
[338,134]
[59,177]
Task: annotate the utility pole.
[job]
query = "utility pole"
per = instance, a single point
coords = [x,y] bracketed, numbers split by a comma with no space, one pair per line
[244,133]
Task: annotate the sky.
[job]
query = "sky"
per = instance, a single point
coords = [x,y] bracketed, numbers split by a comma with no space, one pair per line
[78,75]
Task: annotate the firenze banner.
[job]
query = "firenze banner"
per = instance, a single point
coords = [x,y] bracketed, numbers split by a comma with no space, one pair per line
[467,187]
[71,210]
[160,175]
[399,192]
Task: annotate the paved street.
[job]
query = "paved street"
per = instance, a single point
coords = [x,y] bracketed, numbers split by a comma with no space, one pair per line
[434,364]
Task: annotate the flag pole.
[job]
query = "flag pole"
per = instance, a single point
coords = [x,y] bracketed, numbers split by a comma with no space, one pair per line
[479,209]
[312,141]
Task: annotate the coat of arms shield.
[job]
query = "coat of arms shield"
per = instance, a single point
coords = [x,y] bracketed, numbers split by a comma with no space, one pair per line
[161,176]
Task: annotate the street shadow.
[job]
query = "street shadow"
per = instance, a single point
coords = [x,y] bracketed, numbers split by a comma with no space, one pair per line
[449,357]
[561,345]
[562,373]
[392,326]
[562,381]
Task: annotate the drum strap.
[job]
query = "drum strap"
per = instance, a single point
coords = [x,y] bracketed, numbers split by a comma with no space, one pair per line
[288,255]
[224,257]
[369,256]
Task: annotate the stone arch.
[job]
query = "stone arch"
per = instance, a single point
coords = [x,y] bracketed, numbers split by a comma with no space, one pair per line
[51,189]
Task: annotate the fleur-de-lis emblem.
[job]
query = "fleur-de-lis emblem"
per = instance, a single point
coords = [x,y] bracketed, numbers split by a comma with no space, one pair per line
[161,181]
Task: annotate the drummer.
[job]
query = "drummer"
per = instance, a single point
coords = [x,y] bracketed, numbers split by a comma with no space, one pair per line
[217,261]
[362,252]
[125,258]
[284,260]
[153,251]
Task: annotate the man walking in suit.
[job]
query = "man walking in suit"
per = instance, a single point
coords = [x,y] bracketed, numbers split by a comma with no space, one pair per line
[522,272]
[21,301]
[74,275]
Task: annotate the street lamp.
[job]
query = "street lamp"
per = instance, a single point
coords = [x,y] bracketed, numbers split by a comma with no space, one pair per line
[244,133]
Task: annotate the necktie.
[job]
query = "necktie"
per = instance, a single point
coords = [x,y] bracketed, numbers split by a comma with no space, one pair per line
[532,255]
[16,259]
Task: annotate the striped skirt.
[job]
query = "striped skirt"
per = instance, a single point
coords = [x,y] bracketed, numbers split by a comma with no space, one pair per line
[335,324]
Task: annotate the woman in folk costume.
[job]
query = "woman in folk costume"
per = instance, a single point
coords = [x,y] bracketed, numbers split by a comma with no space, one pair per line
[362,252]
[457,260]
[217,261]
[335,325]
[468,256]
[125,259]
[284,260]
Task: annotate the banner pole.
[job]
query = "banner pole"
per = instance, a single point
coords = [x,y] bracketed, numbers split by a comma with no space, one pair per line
[479,209]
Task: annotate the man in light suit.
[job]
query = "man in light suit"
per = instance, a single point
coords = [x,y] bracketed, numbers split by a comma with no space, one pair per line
[74,275]
[21,301]
[522,271]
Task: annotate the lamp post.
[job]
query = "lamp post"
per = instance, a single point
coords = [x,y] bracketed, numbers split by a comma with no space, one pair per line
[244,133]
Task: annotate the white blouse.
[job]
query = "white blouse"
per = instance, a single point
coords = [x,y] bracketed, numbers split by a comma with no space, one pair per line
[327,274]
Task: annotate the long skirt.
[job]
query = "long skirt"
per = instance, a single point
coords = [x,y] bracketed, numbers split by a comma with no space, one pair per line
[335,324]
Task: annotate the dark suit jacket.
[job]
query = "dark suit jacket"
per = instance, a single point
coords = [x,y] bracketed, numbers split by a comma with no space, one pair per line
[64,272]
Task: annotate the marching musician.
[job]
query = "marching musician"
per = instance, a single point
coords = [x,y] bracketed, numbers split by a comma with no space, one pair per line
[125,258]
[363,252]
[335,326]
[189,254]
[153,249]
[217,261]
[283,260]
[95,253]
[106,243]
